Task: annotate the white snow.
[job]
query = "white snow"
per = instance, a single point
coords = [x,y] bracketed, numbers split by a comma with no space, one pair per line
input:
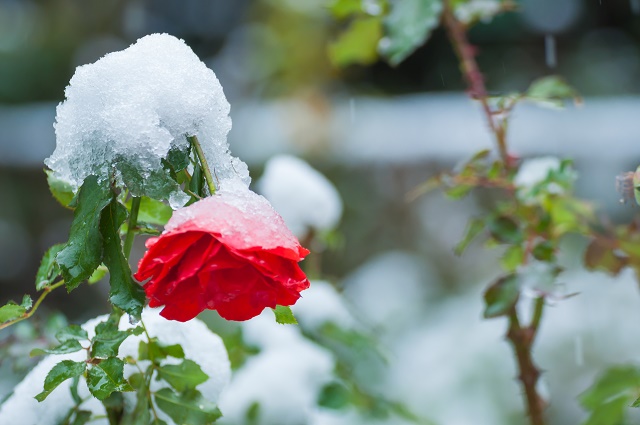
[285,378]
[321,304]
[133,105]
[198,342]
[477,9]
[534,171]
[303,197]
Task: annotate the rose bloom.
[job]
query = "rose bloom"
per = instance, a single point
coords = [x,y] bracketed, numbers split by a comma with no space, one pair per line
[230,252]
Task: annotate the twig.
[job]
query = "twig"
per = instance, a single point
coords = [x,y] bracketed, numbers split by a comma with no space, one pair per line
[203,162]
[471,72]
[29,313]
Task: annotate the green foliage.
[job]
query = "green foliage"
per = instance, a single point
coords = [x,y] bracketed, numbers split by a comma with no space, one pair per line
[11,311]
[125,293]
[552,91]
[358,44]
[153,211]
[184,376]
[614,391]
[72,332]
[82,254]
[188,407]
[70,346]
[61,190]
[107,377]
[501,296]
[474,228]
[342,9]
[108,339]
[157,184]
[64,370]
[153,350]
[284,315]
[407,26]
[140,415]
[48,271]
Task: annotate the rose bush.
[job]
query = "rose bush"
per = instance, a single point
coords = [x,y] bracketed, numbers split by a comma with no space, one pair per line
[230,252]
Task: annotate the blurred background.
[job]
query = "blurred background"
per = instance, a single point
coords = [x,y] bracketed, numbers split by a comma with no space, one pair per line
[375,132]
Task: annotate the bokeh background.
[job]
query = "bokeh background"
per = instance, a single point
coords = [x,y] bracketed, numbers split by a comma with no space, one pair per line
[376,132]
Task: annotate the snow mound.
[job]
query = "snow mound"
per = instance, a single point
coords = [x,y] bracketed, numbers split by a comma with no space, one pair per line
[198,342]
[128,109]
[303,197]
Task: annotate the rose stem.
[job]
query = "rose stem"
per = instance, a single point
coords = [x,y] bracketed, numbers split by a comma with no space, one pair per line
[28,314]
[131,226]
[203,162]
[521,338]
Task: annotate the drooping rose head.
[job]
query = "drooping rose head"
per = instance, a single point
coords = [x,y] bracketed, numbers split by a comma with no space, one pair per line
[230,252]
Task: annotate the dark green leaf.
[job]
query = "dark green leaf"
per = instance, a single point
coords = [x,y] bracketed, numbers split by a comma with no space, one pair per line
[82,417]
[334,396]
[544,251]
[125,293]
[114,405]
[106,344]
[178,158]
[408,26]
[153,350]
[64,370]
[140,415]
[74,390]
[552,91]
[107,377]
[71,332]
[187,408]
[60,189]
[196,185]
[358,44]
[284,315]
[11,311]
[156,184]
[83,253]
[505,230]
[474,228]
[70,346]
[48,270]
[184,376]
[501,296]
[512,258]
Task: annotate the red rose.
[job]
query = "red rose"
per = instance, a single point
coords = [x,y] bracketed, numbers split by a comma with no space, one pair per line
[230,252]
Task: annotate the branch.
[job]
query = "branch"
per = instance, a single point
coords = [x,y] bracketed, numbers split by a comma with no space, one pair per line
[35,306]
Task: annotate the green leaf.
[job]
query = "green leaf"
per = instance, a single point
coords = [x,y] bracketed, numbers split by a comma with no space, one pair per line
[512,258]
[140,415]
[474,228]
[106,344]
[358,44]
[178,157]
[408,26]
[458,191]
[82,417]
[284,315]
[544,251]
[611,394]
[187,408]
[152,211]
[505,230]
[107,377]
[70,332]
[196,185]
[184,376]
[83,253]
[501,296]
[153,350]
[334,396]
[48,270]
[342,9]
[156,184]
[125,293]
[60,189]
[27,302]
[64,370]
[11,311]
[70,346]
[552,91]
[98,274]
[114,405]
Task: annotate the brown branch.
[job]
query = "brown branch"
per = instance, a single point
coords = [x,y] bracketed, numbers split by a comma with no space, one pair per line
[471,72]
[522,339]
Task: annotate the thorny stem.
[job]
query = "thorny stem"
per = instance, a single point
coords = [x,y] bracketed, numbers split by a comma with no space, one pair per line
[28,314]
[131,226]
[471,72]
[203,162]
[521,338]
